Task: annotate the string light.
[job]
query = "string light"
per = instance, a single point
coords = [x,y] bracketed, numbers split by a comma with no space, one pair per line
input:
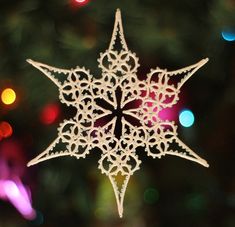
[8,96]
[186,118]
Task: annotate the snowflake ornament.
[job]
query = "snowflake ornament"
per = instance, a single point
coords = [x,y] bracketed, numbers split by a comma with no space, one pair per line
[118,113]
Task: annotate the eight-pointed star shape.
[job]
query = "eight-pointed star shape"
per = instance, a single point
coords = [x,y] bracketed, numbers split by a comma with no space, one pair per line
[118,113]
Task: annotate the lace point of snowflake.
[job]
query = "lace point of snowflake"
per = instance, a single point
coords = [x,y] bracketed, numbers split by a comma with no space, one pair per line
[30,163]
[120,190]
[30,61]
[204,61]
[118,13]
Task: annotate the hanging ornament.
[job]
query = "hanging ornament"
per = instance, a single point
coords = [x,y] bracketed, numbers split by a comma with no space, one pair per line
[117,113]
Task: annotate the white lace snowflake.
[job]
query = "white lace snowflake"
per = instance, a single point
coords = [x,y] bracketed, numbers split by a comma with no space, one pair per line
[117,113]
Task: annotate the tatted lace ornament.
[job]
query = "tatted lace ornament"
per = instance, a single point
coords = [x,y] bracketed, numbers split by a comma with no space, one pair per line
[117,113]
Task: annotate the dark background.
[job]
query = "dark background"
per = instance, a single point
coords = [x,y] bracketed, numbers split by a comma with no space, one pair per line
[169,34]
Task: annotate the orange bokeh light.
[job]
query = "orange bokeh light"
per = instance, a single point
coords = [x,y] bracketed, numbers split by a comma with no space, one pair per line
[8,96]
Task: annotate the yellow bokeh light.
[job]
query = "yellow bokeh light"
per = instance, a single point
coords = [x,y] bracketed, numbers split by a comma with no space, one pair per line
[8,96]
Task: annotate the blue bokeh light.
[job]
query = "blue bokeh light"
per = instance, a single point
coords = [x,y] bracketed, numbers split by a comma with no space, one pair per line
[39,220]
[228,35]
[186,118]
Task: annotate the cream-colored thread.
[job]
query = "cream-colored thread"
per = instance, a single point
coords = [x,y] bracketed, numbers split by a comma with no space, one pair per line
[81,134]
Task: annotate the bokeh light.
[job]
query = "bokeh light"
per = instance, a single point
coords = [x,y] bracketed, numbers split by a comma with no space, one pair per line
[170,114]
[11,189]
[8,96]
[228,35]
[196,202]
[19,196]
[186,118]
[39,219]
[49,113]
[151,195]
[5,129]
[80,2]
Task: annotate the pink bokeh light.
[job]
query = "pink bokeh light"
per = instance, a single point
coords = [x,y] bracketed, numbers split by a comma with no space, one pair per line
[12,168]
[19,196]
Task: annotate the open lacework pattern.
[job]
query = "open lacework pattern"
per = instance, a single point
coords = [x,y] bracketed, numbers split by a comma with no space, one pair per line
[118,113]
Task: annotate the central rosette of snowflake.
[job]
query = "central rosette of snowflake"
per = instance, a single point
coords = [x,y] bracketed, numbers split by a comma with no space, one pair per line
[125,114]
[117,113]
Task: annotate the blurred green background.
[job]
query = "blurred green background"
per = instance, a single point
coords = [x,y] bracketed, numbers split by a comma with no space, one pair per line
[169,34]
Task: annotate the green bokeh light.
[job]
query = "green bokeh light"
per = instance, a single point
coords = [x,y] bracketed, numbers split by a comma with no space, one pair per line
[196,202]
[151,195]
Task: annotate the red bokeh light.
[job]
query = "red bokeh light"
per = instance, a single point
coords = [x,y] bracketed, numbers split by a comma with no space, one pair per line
[79,2]
[49,114]
[5,130]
